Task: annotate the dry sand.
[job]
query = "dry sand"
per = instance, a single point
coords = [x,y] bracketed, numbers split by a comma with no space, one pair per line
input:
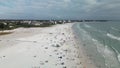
[49,47]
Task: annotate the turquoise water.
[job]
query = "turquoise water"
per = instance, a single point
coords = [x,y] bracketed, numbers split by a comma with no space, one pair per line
[101,41]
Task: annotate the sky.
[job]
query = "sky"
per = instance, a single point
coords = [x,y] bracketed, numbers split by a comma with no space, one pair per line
[60,9]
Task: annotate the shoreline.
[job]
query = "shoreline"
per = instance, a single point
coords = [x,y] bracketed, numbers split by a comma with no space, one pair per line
[85,59]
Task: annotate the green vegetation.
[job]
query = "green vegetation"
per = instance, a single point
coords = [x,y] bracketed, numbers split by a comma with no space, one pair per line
[13,25]
[25,25]
[46,25]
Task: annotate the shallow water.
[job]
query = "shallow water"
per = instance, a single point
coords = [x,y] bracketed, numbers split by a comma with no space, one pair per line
[101,41]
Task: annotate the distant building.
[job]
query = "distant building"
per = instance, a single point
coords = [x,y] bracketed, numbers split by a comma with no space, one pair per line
[36,23]
[26,22]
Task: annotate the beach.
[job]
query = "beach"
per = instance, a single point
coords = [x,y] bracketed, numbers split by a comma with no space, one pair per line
[48,47]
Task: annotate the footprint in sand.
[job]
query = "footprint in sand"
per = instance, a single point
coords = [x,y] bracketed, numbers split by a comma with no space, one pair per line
[41,63]
[46,47]
[35,56]
[64,67]
[46,61]
[36,67]
[60,57]
[62,63]
[4,56]
[50,55]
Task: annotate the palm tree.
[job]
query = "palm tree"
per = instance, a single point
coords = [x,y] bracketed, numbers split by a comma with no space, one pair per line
[2,26]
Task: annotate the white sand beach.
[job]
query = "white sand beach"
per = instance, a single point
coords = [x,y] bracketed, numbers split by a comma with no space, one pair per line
[48,47]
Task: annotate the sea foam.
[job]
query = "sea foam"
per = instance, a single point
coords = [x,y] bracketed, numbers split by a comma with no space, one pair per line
[113,37]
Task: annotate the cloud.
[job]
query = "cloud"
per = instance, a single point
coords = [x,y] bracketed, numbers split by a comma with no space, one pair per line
[108,9]
[61,9]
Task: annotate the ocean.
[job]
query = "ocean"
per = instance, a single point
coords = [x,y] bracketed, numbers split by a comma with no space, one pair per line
[101,41]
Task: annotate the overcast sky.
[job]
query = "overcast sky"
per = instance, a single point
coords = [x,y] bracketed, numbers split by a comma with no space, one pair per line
[60,9]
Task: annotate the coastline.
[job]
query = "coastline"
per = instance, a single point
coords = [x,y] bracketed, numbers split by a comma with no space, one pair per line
[85,59]
[50,47]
